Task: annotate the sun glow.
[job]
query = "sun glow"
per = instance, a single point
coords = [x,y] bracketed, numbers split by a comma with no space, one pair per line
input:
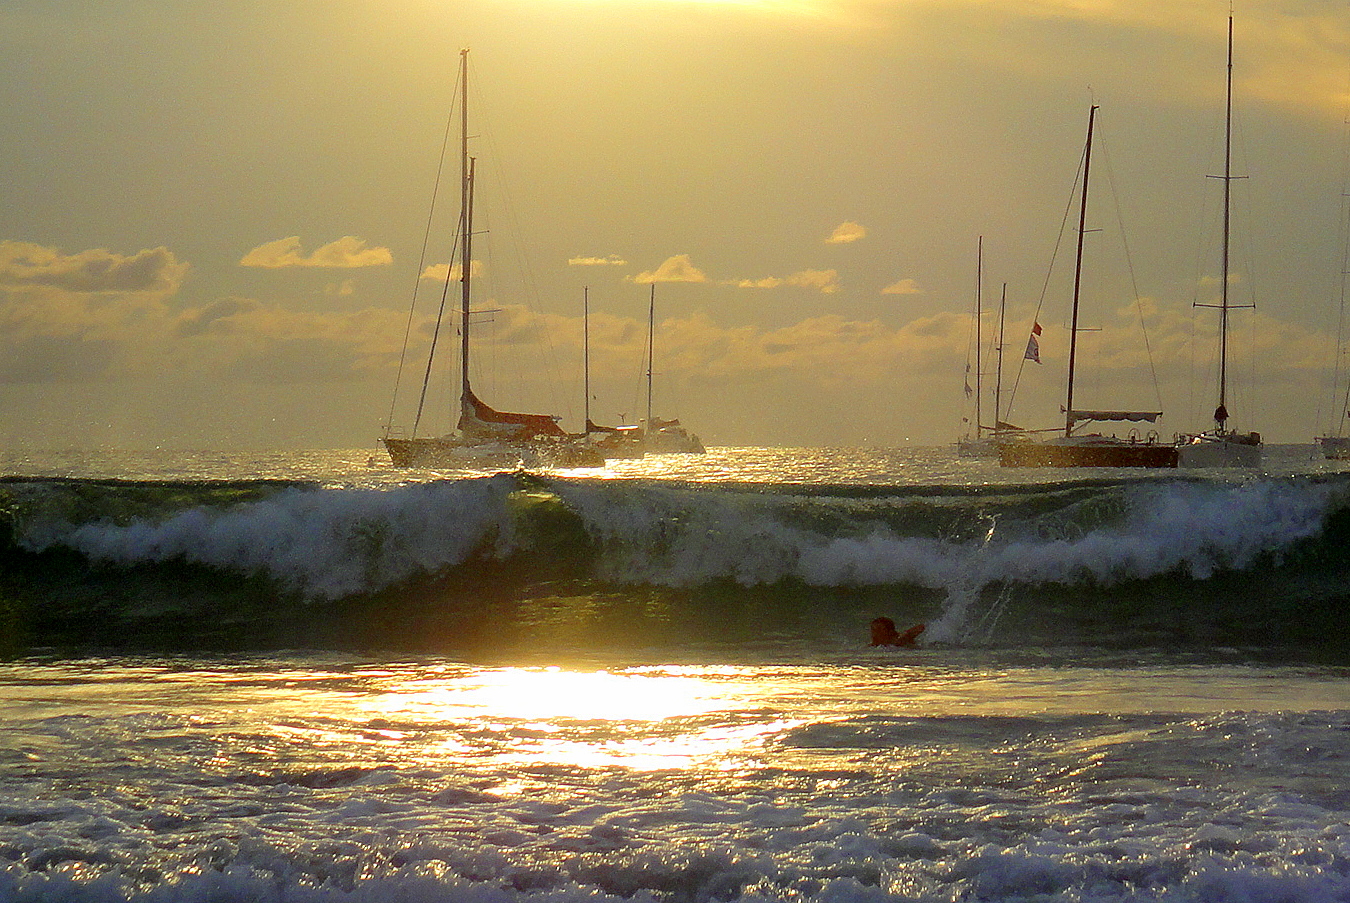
[641,718]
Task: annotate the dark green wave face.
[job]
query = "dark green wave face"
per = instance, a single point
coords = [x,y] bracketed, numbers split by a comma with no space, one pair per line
[515,565]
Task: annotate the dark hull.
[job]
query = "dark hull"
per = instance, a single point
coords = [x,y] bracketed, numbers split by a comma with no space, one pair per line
[1335,448]
[1125,454]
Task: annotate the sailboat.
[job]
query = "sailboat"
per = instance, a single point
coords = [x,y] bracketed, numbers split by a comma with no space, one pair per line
[611,441]
[978,445]
[1220,446]
[484,435]
[1336,446]
[985,442]
[1088,450]
[663,437]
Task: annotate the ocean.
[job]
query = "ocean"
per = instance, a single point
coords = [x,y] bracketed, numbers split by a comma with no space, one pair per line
[308,677]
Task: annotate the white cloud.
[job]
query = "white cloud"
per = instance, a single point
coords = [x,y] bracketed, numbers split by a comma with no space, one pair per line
[846,233]
[903,287]
[613,260]
[348,252]
[825,281]
[675,269]
[440,272]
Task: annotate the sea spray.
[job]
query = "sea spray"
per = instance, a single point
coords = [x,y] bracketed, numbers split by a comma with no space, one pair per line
[323,544]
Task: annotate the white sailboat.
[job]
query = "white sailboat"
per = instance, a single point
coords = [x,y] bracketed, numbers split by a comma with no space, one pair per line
[484,436]
[1074,449]
[1220,446]
[663,437]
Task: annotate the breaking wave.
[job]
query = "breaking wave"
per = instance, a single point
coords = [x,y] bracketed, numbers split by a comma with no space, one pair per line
[1185,560]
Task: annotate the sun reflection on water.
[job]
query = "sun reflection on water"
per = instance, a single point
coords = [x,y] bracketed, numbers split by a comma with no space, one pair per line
[639,718]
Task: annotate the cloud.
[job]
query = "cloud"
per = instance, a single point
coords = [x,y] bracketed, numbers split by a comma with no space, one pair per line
[97,271]
[675,269]
[441,272]
[613,260]
[348,252]
[903,287]
[846,233]
[826,281]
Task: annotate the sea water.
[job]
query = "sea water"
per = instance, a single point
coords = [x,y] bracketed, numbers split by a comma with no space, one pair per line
[313,677]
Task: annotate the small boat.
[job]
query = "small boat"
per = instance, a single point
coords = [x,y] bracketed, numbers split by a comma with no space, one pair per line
[484,437]
[1088,450]
[1220,446]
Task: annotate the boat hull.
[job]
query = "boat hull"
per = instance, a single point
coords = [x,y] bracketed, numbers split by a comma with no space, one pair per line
[977,448]
[1235,450]
[672,441]
[1088,454]
[1335,448]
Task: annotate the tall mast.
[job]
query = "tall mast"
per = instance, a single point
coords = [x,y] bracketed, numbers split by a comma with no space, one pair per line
[465,222]
[979,319]
[998,378]
[586,352]
[1221,412]
[651,332]
[1078,272]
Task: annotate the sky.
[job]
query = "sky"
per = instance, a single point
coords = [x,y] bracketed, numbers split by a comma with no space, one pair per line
[218,224]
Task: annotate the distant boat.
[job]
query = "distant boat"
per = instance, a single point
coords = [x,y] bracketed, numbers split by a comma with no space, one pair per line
[1220,446]
[1088,450]
[663,437]
[1336,446]
[610,441]
[985,442]
[484,436]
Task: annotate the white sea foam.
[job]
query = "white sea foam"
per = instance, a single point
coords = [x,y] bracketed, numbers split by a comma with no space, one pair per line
[322,543]
[186,786]
[683,539]
[330,543]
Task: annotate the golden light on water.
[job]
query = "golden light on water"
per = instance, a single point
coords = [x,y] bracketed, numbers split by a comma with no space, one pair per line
[642,718]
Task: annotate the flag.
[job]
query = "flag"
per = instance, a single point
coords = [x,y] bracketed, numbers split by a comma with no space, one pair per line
[969,390]
[1034,344]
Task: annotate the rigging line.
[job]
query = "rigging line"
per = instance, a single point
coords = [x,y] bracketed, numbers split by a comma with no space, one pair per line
[530,284]
[1129,265]
[422,259]
[1045,286]
[1344,273]
[435,335]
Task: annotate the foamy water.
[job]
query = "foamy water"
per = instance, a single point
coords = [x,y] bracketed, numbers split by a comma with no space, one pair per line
[893,776]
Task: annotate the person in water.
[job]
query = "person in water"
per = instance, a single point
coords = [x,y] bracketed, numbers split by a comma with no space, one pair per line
[885,634]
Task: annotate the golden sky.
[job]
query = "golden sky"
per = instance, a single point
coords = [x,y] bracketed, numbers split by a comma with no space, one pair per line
[215,213]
